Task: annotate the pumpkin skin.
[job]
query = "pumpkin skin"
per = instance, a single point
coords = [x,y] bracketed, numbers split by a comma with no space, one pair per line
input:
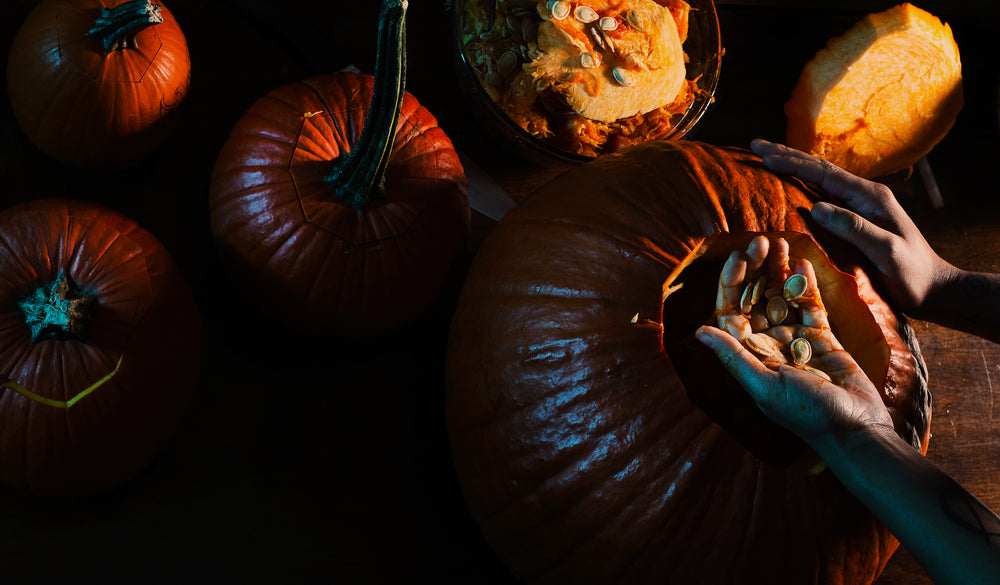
[310,259]
[90,109]
[145,333]
[595,441]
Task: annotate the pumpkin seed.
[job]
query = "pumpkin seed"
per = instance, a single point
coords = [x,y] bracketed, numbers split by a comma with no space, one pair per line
[513,23]
[559,9]
[622,76]
[816,372]
[772,292]
[795,287]
[598,37]
[634,20]
[609,23]
[777,310]
[802,350]
[507,63]
[746,299]
[529,30]
[585,14]
[757,321]
[589,60]
[758,290]
[763,345]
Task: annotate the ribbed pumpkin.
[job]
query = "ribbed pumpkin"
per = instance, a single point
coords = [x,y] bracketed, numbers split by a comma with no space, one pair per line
[338,203]
[596,441]
[97,84]
[101,347]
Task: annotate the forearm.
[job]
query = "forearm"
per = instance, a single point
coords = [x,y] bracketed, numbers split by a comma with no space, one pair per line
[967,301]
[951,533]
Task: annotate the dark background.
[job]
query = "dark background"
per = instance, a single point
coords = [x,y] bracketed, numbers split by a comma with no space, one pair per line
[328,459]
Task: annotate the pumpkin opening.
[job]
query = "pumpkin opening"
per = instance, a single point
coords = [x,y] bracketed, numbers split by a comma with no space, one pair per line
[58,310]
[690,302]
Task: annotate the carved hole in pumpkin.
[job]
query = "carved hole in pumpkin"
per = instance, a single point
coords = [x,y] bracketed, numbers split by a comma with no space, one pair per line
[715,390]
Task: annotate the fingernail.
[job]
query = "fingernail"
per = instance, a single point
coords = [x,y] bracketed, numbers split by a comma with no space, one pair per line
[822,212]
[703,336]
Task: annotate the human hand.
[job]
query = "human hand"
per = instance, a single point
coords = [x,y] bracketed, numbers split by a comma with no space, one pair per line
[878,226]
[815,397]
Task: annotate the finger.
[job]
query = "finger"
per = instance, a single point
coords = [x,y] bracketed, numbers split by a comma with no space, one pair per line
[811,304]
[731,279]
[777,268]
[751,373]
[873,241]
[757,252]
[873,201]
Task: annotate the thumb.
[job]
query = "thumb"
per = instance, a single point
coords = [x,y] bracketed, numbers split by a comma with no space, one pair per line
[753,375]
[873,241]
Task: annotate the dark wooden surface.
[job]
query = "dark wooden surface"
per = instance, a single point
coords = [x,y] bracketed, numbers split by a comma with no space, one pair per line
[306,456]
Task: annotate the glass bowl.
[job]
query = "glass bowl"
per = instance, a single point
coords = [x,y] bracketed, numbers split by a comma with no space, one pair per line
[703,48]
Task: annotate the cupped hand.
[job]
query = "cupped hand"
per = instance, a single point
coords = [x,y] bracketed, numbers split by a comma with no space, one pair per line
[875,223]
[825,394]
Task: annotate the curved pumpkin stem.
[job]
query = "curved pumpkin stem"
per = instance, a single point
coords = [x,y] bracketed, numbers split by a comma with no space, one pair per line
[116,27]
[359,177]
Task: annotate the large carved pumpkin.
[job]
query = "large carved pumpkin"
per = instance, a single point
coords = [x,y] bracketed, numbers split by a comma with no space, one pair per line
[596,441]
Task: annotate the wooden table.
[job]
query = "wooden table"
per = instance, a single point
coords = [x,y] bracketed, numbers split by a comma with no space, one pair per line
[306,456]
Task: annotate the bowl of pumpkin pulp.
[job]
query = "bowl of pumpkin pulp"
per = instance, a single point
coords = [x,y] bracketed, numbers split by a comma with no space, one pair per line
[573,80]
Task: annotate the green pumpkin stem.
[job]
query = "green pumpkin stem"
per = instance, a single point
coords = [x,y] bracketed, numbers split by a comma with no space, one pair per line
[116,27]
[57,310]
[359,177]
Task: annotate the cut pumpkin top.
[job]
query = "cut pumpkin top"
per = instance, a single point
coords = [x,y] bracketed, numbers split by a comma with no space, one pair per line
[879,97]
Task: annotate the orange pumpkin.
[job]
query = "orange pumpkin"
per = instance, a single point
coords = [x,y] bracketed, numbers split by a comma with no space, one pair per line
[96,83]
[596,441]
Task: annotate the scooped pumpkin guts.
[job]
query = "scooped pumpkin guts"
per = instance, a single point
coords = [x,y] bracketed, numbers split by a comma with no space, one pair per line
[641,66]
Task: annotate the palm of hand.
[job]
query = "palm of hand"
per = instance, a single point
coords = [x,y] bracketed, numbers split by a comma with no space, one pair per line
[811,386]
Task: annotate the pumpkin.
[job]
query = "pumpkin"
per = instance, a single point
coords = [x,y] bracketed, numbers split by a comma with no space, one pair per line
[101,347]
[880,96]
[596,441]
[338,203]
[96,84]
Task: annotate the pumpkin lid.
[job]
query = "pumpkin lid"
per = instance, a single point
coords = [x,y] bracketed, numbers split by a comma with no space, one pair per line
[879,97]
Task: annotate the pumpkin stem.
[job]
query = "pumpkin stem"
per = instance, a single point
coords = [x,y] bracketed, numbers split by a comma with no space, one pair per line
[359,177]
[57,310]
[116,27]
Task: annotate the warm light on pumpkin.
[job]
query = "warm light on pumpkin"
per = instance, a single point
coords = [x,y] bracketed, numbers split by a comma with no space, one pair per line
[595,439]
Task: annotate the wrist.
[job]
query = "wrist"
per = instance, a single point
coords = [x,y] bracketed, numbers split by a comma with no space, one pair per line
[842,447]
[947,283]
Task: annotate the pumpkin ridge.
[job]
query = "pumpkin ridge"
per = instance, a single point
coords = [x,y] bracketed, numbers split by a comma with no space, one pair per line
[248,222]
[679,524]
[287,241]
[599,230]
[505,416]
[613,518]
